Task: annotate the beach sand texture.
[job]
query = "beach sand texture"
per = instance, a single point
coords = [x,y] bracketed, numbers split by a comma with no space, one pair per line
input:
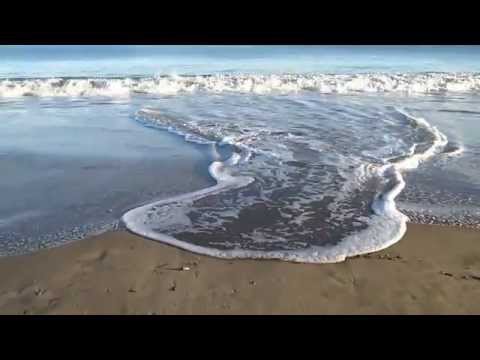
[433,270]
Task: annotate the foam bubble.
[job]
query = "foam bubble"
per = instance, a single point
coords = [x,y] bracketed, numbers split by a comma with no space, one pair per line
[248,83]
[384,227]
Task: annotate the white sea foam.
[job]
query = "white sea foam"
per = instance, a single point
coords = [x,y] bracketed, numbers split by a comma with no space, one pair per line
[439,141]
[174,207]
[260,84]
[457,152]
[385,227]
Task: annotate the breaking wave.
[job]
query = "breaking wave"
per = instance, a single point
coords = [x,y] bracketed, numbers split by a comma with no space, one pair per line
[415,83]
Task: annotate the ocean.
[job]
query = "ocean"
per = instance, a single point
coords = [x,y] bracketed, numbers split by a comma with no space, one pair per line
[299,153]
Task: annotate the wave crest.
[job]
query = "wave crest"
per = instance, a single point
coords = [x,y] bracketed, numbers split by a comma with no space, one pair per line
[420,83]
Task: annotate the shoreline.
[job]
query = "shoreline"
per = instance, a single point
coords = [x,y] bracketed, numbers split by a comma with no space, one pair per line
[432,270]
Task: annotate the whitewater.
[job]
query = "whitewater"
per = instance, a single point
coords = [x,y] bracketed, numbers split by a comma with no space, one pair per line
[385,226]
[419,83]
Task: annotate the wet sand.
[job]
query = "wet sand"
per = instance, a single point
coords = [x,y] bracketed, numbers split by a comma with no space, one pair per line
[432,270]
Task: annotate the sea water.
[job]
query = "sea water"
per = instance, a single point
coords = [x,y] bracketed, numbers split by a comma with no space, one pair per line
[301,153]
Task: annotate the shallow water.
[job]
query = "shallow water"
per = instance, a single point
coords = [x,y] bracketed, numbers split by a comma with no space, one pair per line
[322,185]
[72,168]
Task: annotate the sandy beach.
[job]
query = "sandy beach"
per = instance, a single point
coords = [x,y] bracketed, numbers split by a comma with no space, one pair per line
[433,270]
[305,153]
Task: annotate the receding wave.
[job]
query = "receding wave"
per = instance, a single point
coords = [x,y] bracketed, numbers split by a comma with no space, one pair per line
[290,195]
[323,83]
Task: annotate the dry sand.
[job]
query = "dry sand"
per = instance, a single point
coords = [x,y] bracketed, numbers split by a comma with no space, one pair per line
[433,270]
